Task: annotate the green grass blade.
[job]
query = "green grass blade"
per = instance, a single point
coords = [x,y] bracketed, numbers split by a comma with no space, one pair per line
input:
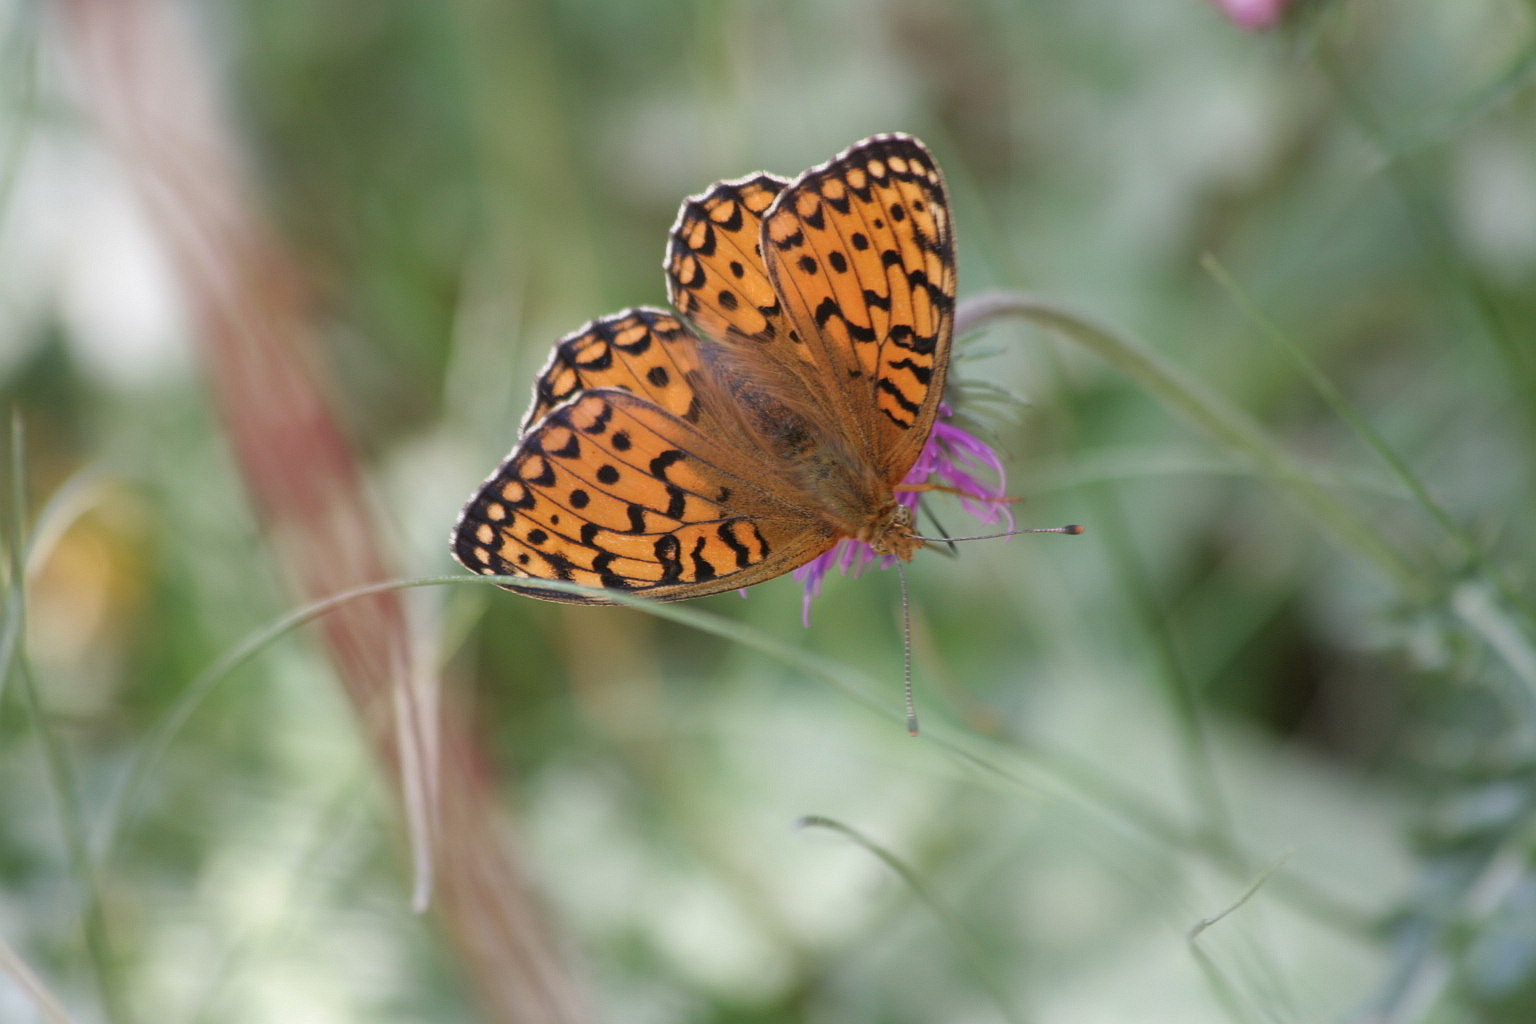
[1225,425]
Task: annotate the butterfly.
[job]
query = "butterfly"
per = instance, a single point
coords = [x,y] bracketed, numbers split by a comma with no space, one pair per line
[674,454]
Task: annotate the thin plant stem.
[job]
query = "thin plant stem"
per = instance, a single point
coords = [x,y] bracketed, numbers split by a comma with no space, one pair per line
[57,767]
[960,933]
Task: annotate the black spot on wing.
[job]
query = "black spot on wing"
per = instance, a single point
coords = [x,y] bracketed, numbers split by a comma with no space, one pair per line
[901,400]
[599,423]
[662,462]
[669,550]
[727,534]
[636,518]
[733,222]
[677,501]
[582,355]
[641,342]
[924,374]
[609,578]
[702,569]
[537,472]
[559,565]
[829,309]
[791,241]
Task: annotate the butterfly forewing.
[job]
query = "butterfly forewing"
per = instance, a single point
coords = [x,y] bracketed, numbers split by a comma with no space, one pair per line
[861,253]
[609,491]
[649,352]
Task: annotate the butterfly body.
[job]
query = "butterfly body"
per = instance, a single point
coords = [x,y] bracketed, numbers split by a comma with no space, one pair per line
[673,455]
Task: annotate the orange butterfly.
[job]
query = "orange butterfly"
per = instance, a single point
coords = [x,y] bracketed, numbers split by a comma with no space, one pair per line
[676,456]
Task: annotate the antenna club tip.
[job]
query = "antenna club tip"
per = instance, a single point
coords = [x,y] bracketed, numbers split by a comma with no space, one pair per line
[1072,530]
[912,726]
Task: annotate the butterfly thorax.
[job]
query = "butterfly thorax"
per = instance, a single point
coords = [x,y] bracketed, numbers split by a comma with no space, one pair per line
[839,486]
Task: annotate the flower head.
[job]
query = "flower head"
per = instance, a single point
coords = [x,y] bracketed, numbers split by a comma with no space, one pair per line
[1253,14]
[953,457]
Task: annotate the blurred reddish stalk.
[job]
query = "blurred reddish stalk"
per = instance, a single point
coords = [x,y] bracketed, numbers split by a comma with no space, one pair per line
[155,100]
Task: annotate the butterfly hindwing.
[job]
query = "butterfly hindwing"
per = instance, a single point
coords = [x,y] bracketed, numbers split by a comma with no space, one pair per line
[860,251]
[647,351]
[610,491]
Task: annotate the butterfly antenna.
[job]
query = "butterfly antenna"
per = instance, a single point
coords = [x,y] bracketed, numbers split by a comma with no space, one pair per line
[1071,530]
[906,651]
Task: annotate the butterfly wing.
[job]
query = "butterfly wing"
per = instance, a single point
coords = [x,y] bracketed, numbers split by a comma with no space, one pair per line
[649,352]
[610,491]
[860,252]
[715,273]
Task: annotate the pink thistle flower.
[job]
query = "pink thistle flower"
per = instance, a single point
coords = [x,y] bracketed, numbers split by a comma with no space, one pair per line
[1254,14]
[954,457]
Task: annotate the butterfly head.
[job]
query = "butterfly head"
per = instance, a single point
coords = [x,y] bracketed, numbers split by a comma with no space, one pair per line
[890,532]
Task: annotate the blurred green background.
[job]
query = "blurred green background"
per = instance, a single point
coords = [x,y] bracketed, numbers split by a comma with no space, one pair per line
[1295,663]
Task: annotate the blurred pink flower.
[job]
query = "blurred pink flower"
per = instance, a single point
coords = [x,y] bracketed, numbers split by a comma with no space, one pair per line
[955,457]
[1253,14]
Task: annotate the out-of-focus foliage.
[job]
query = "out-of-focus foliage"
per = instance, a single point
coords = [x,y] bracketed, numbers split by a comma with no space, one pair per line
[1303,667]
